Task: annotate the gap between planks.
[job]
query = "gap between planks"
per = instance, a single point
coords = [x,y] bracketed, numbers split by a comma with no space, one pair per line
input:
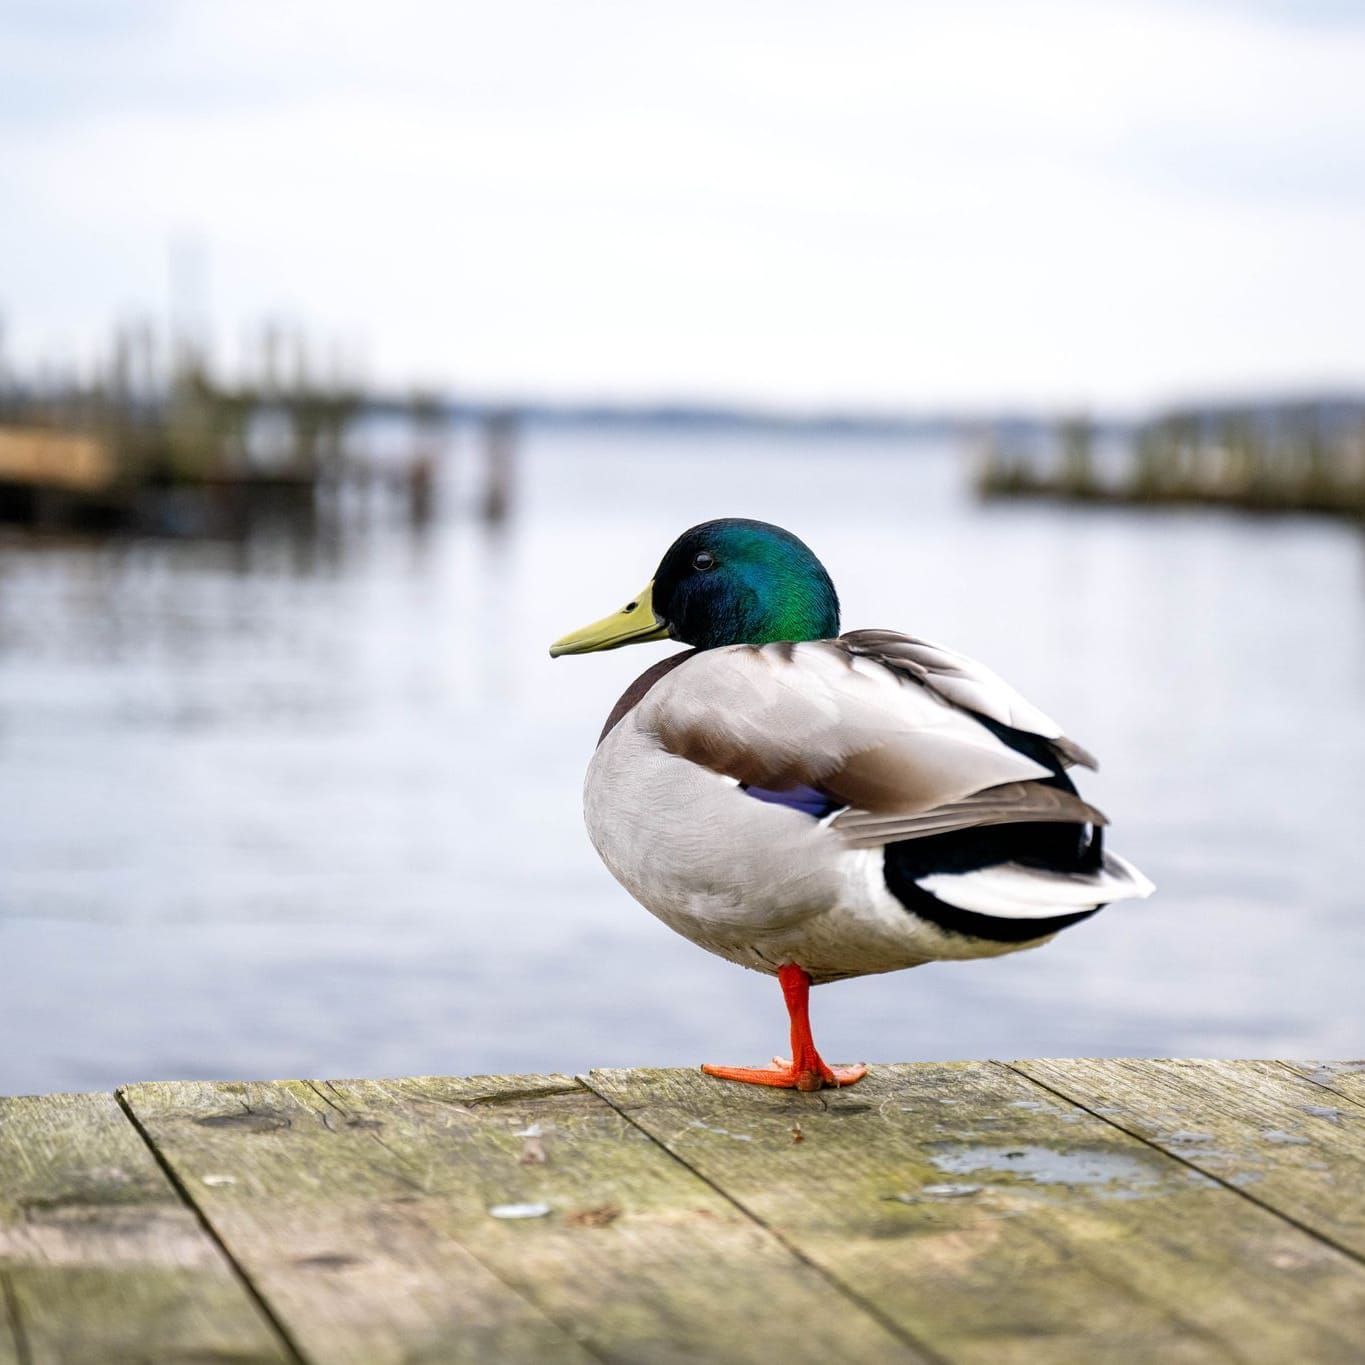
[1337,1078]
[657,1101]
[1345,1090]
[462,1154]
[1204,1168]
[1016,1068]
[848,1292]
[584,1082]
[182,1190]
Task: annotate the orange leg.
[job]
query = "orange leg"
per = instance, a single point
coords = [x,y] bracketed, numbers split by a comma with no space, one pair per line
[806,1070]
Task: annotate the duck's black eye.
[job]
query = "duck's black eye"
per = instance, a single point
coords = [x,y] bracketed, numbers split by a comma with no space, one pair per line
[703,560]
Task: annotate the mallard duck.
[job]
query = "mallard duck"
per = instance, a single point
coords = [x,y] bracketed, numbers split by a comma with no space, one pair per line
[819,806]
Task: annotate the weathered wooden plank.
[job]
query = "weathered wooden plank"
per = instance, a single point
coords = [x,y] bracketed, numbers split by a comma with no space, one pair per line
[644,1258]
[999,1223]
[101,1259]
[362,1212]
[1344,1078]
[1255,1125]
[9,1327]
[338,1233]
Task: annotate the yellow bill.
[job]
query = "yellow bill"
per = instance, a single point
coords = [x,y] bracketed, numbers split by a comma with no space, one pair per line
[633,624]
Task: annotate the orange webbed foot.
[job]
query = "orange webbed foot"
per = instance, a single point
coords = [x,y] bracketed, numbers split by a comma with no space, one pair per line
[783,1075]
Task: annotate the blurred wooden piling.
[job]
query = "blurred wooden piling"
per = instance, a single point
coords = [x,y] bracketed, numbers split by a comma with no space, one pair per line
[1296,458]
[981,1212]
[500,447]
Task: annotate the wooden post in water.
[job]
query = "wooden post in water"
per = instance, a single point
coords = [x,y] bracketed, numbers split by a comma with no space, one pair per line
[1078,439]
[430,422]
[499,440]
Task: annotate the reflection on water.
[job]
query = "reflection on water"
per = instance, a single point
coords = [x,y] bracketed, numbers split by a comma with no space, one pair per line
[271,811]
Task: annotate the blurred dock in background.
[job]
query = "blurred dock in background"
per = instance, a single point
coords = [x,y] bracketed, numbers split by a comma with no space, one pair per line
[1289,457]
[155,442]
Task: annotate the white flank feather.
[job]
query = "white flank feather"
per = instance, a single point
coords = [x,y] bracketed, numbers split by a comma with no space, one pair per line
[1012,891]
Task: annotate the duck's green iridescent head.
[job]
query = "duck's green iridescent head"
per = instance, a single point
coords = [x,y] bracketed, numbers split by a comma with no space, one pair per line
[726,582]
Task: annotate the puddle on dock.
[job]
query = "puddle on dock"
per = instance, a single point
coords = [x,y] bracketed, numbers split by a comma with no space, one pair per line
[1184,1137]
[1108,1173]
[1062,1113]
[1324,1073]
[1190,1144]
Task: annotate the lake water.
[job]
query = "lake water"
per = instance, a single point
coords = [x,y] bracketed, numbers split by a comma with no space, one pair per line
[272,813]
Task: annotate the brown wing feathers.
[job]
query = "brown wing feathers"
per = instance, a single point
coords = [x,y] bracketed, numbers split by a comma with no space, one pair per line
[836,715]
[965,683]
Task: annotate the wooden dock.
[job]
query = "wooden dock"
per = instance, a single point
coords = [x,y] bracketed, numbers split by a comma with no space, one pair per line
[1303,458]
[1040,1211]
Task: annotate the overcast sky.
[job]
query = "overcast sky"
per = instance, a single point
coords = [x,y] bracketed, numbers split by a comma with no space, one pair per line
[894,204]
